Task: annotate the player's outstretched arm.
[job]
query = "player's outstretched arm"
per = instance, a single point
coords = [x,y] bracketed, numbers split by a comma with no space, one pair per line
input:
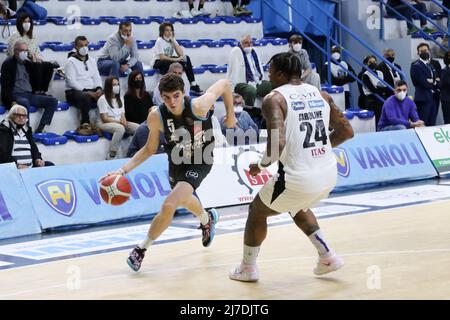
[342,129]
[204,103]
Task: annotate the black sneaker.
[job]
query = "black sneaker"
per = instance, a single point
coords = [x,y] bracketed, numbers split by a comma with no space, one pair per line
[209,230]
[196,90]
[135,258]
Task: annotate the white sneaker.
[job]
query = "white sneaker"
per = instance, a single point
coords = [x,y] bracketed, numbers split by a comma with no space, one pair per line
[328,264]
[245,272]
[204,12]
[182,14]
[195,12]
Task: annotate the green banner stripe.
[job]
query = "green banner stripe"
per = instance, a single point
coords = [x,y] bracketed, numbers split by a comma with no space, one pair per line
[442,163]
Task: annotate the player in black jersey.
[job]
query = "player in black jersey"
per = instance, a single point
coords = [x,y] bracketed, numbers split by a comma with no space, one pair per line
[187,128]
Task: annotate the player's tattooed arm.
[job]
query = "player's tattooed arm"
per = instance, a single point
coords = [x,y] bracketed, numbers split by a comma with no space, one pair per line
[274,111]
[342,129]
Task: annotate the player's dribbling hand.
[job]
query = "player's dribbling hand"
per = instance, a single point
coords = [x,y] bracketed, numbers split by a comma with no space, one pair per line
[254,169]
[230,122]
[117,172]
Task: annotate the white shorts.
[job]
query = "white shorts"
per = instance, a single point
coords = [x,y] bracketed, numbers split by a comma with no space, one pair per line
[276,196]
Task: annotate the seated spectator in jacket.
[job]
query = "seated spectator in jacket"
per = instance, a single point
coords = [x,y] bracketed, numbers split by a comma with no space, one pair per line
[403,7]
[445,88]
[16,140]
[240,134]
[175,68]
[425,75]
[140,139]
[137,100]
[390,75]
[399,111]
[246,75]
[167,51]
[120,54]
[340,73]
[18,88]
[373,86]
[83,82]
[308,74]
[112,116]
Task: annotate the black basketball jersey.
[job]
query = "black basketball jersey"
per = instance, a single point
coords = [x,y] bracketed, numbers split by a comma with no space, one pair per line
[187,136]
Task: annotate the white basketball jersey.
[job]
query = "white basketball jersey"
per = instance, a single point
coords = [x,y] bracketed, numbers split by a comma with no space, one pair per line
[308,160]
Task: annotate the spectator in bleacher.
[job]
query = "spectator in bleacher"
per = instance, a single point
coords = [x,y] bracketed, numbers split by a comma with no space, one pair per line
[246,75]
[244,122]
[308,74]
[239,8]
[168,51]
[390,75]
[404,8]
[340,73]
[175,68]
[24,25]
[445,88]
[18,86]
[120,54]
[112,115]
[372,85]
[83,82]
[137,100]
[16,141]
[399,111]
[425,75]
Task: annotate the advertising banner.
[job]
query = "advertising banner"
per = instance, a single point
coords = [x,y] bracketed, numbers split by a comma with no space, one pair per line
[436,141]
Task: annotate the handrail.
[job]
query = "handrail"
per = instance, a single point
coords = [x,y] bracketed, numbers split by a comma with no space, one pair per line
[327,53]
[362,42]
[427,36]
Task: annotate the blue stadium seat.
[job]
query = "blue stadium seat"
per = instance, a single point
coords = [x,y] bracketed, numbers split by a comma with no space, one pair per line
[2,110]
[219,69]
[32,109]
[62,106]
[71,134]
[49,138]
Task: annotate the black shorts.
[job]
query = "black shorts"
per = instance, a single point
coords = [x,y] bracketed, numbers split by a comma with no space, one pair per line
[192,174]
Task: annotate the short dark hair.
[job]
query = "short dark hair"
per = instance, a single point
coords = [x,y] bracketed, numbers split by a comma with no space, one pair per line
[171,82]
[19,25]
[163,25]
[124,24]
[400,83]
[78,39]
[367,58]
[423,44]
[295,37]
[288,63]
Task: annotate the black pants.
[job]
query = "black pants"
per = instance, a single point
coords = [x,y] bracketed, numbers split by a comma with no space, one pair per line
[427,111]
[446,111]
[40,76]
[163,67]
[234,3]
[83,101]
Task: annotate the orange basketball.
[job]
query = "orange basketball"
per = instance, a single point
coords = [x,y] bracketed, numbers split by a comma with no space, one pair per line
[115,190]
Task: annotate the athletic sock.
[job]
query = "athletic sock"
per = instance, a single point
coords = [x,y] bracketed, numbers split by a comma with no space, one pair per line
[318,241]
[204,218]
[250,254]
[146,243]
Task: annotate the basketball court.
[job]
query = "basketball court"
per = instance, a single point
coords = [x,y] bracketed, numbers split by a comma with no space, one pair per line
[395,242]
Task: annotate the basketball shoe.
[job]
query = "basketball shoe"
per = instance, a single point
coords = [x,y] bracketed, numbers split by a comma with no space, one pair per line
[328,264]
[245,272]
[135,258]
[209,230]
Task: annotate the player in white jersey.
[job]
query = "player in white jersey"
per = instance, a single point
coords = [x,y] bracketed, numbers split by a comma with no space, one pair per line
[298,119]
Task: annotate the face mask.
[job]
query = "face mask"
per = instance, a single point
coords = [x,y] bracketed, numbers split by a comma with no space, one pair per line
[116,89]
[123,37]
[424,56]
[297,47]
[390,59]
[167,38]
[83,51]
[373,66]
[238,108]
[23,55]
[138,83]
[336,56]
[401,95]
[26,26]
[248,49]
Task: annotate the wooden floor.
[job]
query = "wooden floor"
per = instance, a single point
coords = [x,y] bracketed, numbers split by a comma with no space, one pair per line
[394,254]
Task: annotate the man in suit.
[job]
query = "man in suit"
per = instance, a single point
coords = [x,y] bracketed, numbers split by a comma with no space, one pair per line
[390,75]
[426,78]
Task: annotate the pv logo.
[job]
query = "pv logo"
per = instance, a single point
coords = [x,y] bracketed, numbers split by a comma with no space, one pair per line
[60,195]
[343,164]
